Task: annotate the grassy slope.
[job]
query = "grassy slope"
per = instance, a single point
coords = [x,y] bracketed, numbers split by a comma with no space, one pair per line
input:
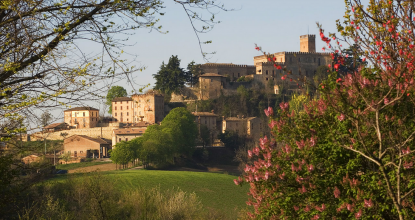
[215,190]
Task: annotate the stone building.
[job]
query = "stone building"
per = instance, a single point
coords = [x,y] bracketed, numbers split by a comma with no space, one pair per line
[147,107]
[81,117]
[126,134]
[84,146]
[302,64]
[250,127]
[209,120]
[233,71]
[211,85]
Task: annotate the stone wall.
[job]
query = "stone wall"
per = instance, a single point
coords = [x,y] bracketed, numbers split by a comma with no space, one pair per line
[103,132]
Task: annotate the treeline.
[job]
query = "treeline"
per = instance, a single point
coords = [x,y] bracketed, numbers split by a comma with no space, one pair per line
[161,144]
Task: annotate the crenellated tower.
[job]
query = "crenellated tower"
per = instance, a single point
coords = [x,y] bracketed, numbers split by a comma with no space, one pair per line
[308,43]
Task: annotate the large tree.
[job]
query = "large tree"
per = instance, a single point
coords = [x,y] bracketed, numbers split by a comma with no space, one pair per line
[192,73]
[171,77]
[114,92]
[350,153]
[46,59]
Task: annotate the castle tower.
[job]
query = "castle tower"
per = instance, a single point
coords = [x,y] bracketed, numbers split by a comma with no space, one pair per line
[308,43]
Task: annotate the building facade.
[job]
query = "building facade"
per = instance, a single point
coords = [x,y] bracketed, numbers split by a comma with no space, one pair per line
[250,127]
[81,117]
[126,134]
[207,119]
[144,107]
[84,146]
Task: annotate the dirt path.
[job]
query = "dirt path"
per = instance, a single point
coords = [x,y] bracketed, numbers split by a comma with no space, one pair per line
[101,167]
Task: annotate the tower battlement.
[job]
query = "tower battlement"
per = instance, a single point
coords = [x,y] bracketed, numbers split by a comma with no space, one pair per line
[308,43]
[227,65]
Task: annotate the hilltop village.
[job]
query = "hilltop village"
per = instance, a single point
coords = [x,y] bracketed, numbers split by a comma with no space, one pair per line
[86,135]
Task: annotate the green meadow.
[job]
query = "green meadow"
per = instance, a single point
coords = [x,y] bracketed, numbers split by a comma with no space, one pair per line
[215,191]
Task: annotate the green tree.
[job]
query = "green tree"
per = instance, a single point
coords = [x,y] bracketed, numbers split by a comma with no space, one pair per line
[192,73]
[171,77]
[122,153]
[204,135]
[114,92]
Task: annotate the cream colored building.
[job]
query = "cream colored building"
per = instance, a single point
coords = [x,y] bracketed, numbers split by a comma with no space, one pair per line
[126,134]
[81,117]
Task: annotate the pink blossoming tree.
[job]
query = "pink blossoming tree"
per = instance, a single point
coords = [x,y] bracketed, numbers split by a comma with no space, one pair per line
[350,154]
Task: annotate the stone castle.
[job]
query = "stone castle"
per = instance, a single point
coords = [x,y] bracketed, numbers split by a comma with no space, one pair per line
[221,77]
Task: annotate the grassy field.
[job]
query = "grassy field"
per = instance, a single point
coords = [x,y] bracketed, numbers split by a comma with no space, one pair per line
[72,166]
[216,191]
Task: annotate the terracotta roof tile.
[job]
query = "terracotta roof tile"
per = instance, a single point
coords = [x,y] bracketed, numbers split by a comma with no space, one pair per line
[54,125]
[81,108]
[118,99]
[130,131]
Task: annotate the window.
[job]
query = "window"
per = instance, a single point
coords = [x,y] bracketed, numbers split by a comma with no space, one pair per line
[266,72]
[273,73]
[127,118]
[115,107]
[127,107]
[119,140]
[75,121]
[266,79]
[115,113]
[128,114]
[121,114]
[238,74]
[126,139]
[121,107]
[115,102]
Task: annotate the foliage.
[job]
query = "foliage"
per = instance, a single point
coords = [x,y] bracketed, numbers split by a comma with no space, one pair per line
[114,92]
[204,135]
[170,78]
[244,79]
[297,103]
[65,156]
[231,139]
[351,154]
[160,144]
[192,73]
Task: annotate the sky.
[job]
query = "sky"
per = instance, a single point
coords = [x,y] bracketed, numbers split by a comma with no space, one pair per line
[275,25]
